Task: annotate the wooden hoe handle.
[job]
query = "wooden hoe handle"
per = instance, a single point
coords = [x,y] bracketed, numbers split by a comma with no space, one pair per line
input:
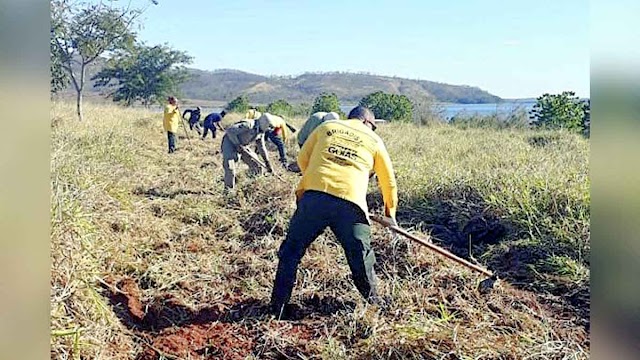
[388,224]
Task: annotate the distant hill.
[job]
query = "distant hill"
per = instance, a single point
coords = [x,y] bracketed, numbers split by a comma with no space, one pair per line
[349,87]
[224,85]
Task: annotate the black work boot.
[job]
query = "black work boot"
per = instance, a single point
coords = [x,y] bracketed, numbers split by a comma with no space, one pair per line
[285,312]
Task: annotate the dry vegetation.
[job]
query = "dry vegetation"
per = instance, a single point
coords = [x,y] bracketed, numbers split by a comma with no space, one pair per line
[151,260]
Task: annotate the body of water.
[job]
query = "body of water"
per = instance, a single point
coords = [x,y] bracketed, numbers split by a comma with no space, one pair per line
[449,110]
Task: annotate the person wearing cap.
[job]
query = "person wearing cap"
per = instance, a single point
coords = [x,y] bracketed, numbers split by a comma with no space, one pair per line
[194,118]
[278,135]
[314,120]
[211,121]
[252,114]
[336,161]
[171,121]
[235,143]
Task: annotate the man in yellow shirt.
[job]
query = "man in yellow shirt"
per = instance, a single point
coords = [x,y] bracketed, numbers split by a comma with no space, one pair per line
[252,114]
[171,121]
[278,135]
[336,161]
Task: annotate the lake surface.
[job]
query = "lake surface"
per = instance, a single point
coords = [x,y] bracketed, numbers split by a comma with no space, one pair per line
[447,110]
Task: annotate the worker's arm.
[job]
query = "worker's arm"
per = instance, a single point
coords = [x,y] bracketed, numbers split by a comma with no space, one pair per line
[219,125]
[185,114]
[386,180]
[305,153]
[262,150]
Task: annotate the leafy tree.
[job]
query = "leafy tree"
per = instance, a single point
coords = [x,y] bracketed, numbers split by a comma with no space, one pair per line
[564,110]
[82,32]
[239,104]
[280,107]
[59,77]
[327,102]
[144,73]
[302,109]
[389,106]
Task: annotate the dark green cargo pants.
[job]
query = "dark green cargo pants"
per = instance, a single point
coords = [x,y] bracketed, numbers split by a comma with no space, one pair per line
[317,210]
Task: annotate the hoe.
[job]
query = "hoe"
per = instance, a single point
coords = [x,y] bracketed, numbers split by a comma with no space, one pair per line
[483,287]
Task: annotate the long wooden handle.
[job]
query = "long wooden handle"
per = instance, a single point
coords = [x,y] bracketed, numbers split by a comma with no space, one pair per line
[255,158]
[388,224]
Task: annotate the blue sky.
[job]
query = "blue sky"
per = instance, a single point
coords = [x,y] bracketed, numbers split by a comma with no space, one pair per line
[513,49]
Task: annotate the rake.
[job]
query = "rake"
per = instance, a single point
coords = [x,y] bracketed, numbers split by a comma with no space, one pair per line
[484,286]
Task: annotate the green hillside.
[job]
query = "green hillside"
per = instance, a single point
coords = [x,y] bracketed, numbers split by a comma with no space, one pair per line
[225,84]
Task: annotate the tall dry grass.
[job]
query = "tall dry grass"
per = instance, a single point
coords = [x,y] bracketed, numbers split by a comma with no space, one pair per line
[122,207]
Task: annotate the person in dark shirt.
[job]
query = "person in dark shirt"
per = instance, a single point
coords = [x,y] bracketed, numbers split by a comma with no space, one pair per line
[194,118]
[211,121]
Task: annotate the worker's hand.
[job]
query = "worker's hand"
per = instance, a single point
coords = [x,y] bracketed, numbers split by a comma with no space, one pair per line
[392,219]
[269,169]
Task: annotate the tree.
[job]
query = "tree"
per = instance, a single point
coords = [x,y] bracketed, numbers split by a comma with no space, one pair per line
[389,106]
[82,32]
[239,104]
[327,102]
[301,109]
[558,111]
[144,73]
[280,107]
[586,120]
[59,77]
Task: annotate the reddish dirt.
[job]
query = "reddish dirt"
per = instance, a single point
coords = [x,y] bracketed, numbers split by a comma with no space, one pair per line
[203,341]
[232,329]
[194,246]
[126,293]
[169,329]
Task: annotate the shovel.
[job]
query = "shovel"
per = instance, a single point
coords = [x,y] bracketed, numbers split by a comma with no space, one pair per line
[483,287]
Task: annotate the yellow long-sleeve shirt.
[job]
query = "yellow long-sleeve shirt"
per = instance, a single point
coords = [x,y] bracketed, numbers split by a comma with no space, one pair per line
[252,114]
[171,119]
[279,125]
[337,159]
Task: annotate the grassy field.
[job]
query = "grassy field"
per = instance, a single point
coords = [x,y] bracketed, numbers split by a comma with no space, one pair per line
[151,260]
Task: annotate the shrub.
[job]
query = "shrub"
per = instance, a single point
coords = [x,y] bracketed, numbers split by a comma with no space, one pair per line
[327,102]
[238,105]
[389,106]
[562,111]
[280,108]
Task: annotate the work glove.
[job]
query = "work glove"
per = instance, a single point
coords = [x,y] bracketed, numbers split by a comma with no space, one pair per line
[269,168]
